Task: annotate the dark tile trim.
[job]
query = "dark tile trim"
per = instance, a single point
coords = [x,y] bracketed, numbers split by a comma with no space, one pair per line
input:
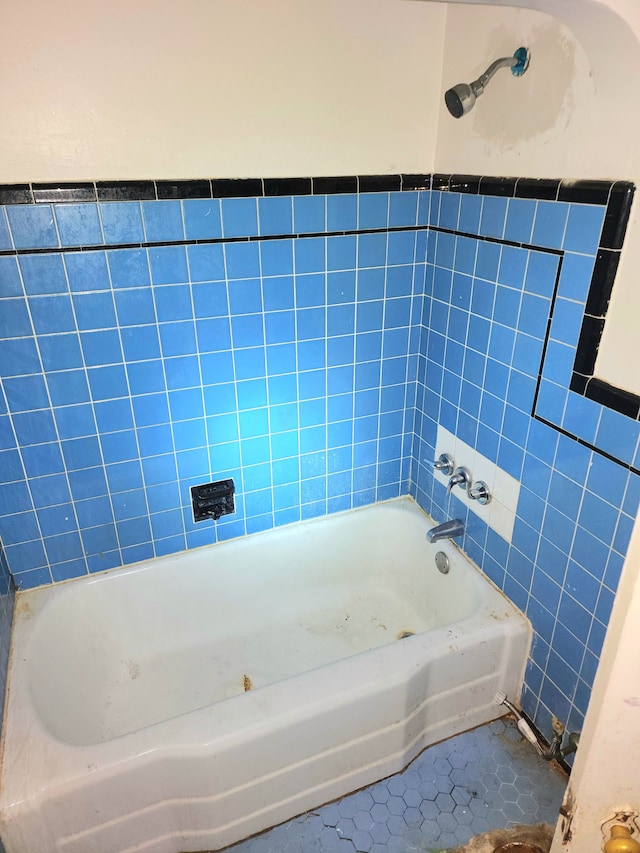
[416,182]
[183,189]
[464,184]
[604,273]
[287,186]
[613,398]
[51,193]
[585,192]
[379,183]
[126,191]
[617,216]
[541,189]
[15,194]
[505,187]
[329,186]
[614,229]
[237,188]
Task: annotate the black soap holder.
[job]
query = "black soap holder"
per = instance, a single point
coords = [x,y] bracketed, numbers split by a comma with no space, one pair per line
[211,500]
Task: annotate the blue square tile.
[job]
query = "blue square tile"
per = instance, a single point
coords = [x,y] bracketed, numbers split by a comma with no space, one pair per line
[202,219]
[43,274]
[19,356]
[87,271]
[310,255]
[487,261]
[57,519]
[245,297]
[513,265]
[32,226]
[275,215]
[81,453]
[52,314]
[25,393]
[341,253]
[173,302]
[520,215]
[178,338]
[112,415]
[78,224]
[470,210]
[68,387]
[566,322]
[373,210]
[10,283]
[583,228]
[182,372]
[342,212]
[97,540]
[249,363]
[617,435]
[108,382]
[25,556]
[74,421]
[550,224]
[168,265]
[7,438]
[162,221]
[276,257]
[575,279]
[10,466]
[95,310]
[42,459]
[558,363]
[122,222]
[129,267]
[125,477]
[494,211]
[541,273]
[239,217]
[135,307]
[132,532]
[5,234]
[101,347]
[403,208]
[248,329]
[210,300]
[309,214]
[372,252]
[243,260]
[213,334]
[140,342]
[118,446]
[14,318]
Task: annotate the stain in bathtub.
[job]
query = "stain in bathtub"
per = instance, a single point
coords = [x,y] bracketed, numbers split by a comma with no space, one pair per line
[134,669]
[247,683]
[402,635]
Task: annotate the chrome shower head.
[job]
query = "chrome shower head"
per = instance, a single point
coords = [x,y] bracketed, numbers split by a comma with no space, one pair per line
[461,98]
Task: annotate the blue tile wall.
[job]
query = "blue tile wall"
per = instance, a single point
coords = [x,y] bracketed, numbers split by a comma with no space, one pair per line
[146,347]
[490,374]
[131,371]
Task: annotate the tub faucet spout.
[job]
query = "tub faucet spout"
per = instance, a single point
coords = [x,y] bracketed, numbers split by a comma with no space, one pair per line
[446,530]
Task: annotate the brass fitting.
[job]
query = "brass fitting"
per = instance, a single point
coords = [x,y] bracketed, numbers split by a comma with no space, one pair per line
[621,841]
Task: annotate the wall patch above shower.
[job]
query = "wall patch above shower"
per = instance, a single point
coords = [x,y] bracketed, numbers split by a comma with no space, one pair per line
[213,500]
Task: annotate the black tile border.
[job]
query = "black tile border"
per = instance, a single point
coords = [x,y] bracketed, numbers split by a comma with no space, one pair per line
[617,196]
[48,193]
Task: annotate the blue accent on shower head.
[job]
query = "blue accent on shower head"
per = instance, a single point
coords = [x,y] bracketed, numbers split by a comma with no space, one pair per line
[522,55]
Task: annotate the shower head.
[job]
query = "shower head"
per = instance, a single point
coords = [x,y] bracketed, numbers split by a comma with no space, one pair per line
[461,98]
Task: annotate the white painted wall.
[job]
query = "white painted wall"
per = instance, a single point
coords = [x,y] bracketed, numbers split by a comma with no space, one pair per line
[113,89]
[572,115]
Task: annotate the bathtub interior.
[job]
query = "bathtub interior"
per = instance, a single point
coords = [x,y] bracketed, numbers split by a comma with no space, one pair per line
[131,648]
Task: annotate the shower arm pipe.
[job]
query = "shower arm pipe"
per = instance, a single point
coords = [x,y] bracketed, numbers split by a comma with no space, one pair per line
[506,62]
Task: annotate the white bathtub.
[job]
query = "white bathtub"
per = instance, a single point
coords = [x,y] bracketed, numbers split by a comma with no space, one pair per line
[185,703]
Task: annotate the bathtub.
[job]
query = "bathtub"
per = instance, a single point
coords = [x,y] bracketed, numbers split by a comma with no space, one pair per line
[187,702]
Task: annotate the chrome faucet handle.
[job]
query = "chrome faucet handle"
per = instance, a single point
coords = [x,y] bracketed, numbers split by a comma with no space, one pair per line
[461,477]
[480,492]
[444,463]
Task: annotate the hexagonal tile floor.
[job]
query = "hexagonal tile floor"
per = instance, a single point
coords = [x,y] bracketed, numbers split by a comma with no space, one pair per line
[489,778]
